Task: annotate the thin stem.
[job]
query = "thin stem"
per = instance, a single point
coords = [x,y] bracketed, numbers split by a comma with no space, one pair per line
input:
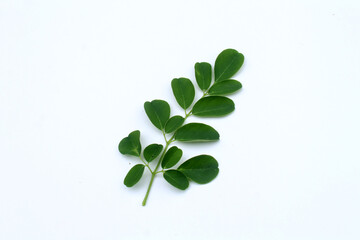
[148,190]
[163,132]
[168,142]
[187,115]
[205,93]
[154,173]
[162,156]
[171,139]
[146,164]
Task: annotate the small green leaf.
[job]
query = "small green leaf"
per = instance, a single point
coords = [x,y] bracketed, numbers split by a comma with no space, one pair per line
[213,106]
[203,75]
[131,144]
[201,169]
[172,157]
[184,91]
[227,64]
[134,175]
[152,151]
[225,87]
[177,179]
[174,123]
[196,132]
[158,112]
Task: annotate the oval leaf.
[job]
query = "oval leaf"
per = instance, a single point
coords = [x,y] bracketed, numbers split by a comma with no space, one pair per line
[196,132]
[203,75]
[201,169]
[172,157]
[134,175]
[225,87]
[174,123]
[184,91]
[177,179]
[158,112]
[152,151]
[227,64]
[213,106]
[131,144]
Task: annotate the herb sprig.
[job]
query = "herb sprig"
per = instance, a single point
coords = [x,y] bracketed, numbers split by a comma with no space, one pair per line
[213,103]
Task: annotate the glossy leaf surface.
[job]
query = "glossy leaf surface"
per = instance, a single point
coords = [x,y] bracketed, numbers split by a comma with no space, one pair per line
[196,132]
[130,145]
[158,112]
[174,123]
[152,151]
[177,179]
[172,157]
[213,106]
[201,169]
[203,75]
[134,175]
[227,64]
[225,87]
[184,91]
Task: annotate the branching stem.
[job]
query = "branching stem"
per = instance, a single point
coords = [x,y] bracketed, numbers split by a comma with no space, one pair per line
[168,142]
[153,174]
[146,164]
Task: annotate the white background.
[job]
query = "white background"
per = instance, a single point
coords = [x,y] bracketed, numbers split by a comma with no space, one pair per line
[73,79]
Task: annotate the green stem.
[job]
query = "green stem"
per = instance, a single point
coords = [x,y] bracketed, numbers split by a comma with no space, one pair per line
[153,173]
[146,164]
[168,142]
[148,190]
[163,132]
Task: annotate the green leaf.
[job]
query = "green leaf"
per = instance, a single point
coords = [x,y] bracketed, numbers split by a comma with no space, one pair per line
[177,179]
[152,151]
[213,106]
[174,123]
[158,112]
[227,64]
[225,87]
[134,175]
[201,169]
[131,144]
[172,157]
[203,75]
[184,91]
[196,132]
